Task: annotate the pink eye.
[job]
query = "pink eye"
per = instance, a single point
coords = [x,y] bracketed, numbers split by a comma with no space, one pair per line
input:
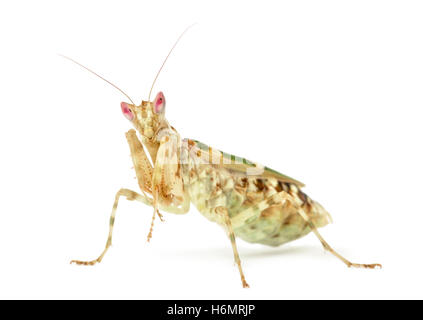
[159,103]
[127,112]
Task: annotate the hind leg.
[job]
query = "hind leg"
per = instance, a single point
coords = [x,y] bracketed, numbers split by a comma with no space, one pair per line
[329,248]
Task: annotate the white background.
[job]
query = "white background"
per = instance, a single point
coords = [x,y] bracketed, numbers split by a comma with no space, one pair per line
[329,92]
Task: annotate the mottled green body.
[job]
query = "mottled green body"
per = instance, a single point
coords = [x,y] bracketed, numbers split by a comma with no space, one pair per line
[252,202]
[259,211]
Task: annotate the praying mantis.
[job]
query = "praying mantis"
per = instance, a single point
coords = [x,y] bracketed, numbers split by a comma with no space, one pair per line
[250,201]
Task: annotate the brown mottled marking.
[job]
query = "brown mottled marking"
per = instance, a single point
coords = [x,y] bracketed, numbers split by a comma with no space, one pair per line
[252,198]
[268,212]
[279,187]
[260,184]
[288,219]
[199,153]
[192,174]
[178,172]
[302,196]
[191,143]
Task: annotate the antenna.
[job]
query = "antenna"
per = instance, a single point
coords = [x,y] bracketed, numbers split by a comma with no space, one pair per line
[70,59]
[157,75]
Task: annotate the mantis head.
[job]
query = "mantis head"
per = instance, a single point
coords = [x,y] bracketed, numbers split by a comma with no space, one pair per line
[147,118]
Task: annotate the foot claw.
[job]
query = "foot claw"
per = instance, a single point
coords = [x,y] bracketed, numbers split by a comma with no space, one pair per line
[245,284]
[366,266]
[85,263]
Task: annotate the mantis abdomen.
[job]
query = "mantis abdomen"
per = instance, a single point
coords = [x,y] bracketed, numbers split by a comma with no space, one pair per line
[261,209]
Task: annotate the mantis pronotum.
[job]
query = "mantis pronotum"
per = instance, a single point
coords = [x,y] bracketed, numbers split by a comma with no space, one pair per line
[252,202]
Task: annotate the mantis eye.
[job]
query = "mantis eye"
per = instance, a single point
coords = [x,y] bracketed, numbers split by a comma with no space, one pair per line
[159,103]
[127,112]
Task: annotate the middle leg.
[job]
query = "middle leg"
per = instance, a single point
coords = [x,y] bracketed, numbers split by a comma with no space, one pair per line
[130,195]
[223,212]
